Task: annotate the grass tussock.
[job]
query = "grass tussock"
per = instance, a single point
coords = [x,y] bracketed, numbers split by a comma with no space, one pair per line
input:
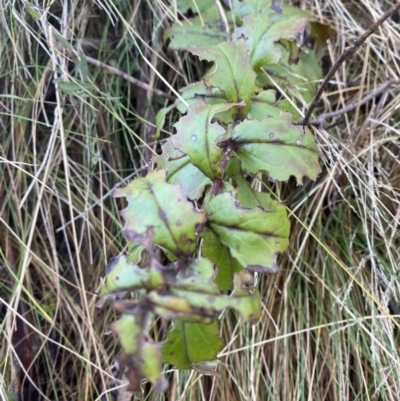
[329,329]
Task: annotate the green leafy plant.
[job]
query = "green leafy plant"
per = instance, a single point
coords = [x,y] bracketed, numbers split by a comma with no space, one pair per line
[197,226]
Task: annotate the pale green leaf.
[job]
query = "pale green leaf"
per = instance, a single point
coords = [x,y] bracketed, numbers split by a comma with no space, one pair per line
[253,236]
[196,136]
[232,71]
[262,106]
[207,30]
[245,194]
[276,147]
[163,208]
[182,172]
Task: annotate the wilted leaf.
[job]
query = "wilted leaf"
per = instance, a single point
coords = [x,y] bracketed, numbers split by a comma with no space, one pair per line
[152,203]
[182,172]
[276,147]
[253,236]
[123,276]
[232,72]
[196,137]
[194,294]
[141,357]
[198,275]
[191,343]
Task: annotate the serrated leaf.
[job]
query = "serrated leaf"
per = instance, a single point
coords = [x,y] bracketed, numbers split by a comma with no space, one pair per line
[253,236]
[141,357]
[196,136]
[276,147]
[232,71]
[262,106]
[191,343]
[259,39]
[152,203]
[220,255]
[205,30]
[181,171]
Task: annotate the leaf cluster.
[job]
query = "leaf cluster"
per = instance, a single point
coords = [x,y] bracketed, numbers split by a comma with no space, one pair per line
[197,225]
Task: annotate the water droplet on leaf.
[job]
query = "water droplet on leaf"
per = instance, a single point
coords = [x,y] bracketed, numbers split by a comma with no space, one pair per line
[271,135]
[194,138]
[298,142]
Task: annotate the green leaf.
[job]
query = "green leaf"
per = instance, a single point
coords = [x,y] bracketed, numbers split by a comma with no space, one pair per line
[205,30]
[197,276]
[181,171]
[222,258]
[141,357]
[245,194]
[72,88]
[197,92]
[253,236]
[154,204]
[123,276]
[196,136]
[262,106]
[232,71]
[160,119]
[276,147]
[82,67]
[259,41]
[190,343]
[134,253]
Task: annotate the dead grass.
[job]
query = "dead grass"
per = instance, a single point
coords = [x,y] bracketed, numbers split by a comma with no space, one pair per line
[323,335]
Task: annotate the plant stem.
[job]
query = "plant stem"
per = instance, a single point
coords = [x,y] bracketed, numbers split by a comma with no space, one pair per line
[348,51]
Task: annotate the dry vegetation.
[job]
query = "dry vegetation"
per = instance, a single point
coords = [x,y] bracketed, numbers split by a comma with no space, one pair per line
[325,333]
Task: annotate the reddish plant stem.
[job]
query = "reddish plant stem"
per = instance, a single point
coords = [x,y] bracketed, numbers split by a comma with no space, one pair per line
[217,183]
